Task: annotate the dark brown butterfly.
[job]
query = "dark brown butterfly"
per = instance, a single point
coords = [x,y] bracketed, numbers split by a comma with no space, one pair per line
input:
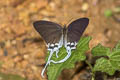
[55,36]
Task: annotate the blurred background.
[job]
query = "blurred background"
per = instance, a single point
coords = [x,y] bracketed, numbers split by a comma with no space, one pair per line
[23,52]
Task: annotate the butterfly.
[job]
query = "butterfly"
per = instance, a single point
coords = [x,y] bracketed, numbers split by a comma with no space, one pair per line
[57,36]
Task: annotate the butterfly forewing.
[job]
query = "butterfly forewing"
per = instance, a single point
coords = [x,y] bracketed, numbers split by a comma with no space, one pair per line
[55,36]
[49,31]
[76,29]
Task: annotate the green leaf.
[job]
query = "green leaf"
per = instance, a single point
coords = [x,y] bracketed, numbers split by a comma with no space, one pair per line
[104,65]
[115,59]
[117,46]
[100,50]
[10,77]
[78,54]
[109,64]
[108,13]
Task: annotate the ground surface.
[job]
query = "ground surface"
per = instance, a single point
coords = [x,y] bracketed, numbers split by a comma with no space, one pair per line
[22,50]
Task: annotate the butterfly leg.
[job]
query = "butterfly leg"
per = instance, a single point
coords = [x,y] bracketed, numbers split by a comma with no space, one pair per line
[57,53]
[68,48]
[59,45]
[48,62]
[56,50]
[63,60]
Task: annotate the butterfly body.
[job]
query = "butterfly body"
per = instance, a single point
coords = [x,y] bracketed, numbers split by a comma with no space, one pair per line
[64,34]
[56,36]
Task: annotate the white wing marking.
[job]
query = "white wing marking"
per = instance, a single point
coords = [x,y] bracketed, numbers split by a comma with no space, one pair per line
[56,49]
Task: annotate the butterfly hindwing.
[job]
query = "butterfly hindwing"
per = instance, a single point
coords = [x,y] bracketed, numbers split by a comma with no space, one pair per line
[49,31]
[76,29]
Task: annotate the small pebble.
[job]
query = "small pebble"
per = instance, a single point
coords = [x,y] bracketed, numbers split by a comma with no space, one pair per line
[85,7]
[34,68]
[13,42]
[8,43]
[17,59]
[26,56]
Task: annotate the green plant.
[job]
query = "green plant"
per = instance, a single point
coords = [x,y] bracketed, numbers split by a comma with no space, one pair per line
[109,60]
[108,65]
[10,77]
[108,13]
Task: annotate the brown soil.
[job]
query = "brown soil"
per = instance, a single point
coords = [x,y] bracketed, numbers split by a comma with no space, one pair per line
[23,51]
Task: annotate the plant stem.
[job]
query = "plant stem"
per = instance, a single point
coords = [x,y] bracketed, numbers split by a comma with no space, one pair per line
[93,74]
[105,77]
[92,78]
